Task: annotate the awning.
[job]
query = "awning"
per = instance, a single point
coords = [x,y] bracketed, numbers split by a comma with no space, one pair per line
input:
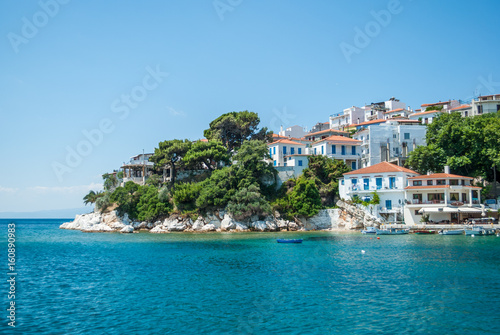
[450,210]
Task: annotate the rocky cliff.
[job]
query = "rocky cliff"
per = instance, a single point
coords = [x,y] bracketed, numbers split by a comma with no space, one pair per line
[346,217]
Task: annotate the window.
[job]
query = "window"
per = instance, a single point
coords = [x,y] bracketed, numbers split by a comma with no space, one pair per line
[353,150]
[292,150]
[367,137]
[454,196]
[417,183]
[315,151]
[322,150]
[270,152]
[388,204]
[284,150]
[342,182]
[354,181]
[394,136]
[274,163]
[366,184]
[353,165]
[464,197]
[300,162]
[334,149]
[343,150]
[430,182]
[480,109]
[378,182]
[300,151]
[453,182]
[407,136]
[274,150]
[441,182]
[392,182]
[396,151]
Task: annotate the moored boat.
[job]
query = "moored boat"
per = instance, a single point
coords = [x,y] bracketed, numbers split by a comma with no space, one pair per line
[422,232]
[480,231]
[369,230]
[392,231]
[452,232]
[283,240]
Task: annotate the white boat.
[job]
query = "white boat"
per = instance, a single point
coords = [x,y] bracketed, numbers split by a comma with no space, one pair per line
[392,231]
[369,230]
[480,231]
[451,232]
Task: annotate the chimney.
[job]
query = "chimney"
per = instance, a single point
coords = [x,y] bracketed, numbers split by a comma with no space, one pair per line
[447,169]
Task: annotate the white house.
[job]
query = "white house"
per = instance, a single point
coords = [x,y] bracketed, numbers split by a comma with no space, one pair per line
[426,117]
[464,110]
[485,104]
[351,115]
[398,112]
[320,135]
[293,131]
[445,106]
[444,197]
[137,169]
[389,140]
[281,149]
[339,147]
[388,180]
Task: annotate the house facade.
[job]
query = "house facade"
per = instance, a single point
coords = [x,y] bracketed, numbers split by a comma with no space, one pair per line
[388,180]
[464,110]
[443,197]
[485,104]
[425,117]
[389,141]
[137,169]
[339,147]
[280,150]
[293,131]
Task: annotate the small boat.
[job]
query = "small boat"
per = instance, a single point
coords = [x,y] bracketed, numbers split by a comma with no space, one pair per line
[283,240]
[480,231]
[392,231]
[369,230]
[422,232]
[451,232]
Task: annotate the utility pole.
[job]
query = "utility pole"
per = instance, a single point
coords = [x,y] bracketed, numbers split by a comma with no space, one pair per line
[495,181]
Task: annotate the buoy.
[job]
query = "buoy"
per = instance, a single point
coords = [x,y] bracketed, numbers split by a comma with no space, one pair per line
[472,235]
[371,238]
[378,238]
[362,251]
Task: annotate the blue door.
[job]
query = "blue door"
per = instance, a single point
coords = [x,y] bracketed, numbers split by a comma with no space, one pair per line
[388,204]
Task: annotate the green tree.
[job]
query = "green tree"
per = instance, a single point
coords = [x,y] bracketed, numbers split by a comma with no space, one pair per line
[248,202]
[206,154]
[92,197]
[170,153]
[217,190]
[304,199]
[233,128]
[325,172]
[185,196]
[110,181]
[127,198]
[426,158]
[149,207]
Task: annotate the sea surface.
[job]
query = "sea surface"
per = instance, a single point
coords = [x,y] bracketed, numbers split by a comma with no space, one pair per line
[69,282]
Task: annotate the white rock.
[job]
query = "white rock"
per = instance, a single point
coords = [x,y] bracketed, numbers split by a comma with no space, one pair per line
[259,225]
[198,224]
[159,230]
[227,223]
[208,227]
[127,229]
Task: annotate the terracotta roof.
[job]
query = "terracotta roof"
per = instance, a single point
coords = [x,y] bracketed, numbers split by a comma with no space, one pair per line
[394,110]
[405,120]
[425,113]
[487,96]
[440,176]
[460,107]
[381,168]
[340,139]
[367,123]
[436,103]
[435,186]
[279,137]
[203,140]
[325,131]
[286,142]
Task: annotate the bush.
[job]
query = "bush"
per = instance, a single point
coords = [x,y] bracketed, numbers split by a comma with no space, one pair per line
[103,202]
[149,207]
[248,202]
[304,199]
[185,196]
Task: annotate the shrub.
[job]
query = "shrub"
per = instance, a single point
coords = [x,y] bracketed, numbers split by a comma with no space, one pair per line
[248,202]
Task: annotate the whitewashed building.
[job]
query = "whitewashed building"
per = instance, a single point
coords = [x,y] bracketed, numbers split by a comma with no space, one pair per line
[389,140]
[322,134]
[293,131]
[281,149]
[485,104]
[425,117]
[388,180]
[464,110]
[138,169]
[444,197]
[339,147]
[349,116]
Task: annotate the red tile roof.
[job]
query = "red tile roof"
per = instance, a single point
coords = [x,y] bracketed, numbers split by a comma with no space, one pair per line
[460,107]
[339,139]
[381,168]
[436,103]
[394,110]
[440,176]
[285,142]
[326,131]
[425,113]
[367,123]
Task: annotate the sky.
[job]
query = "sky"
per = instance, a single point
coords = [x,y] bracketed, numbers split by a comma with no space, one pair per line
[85,85]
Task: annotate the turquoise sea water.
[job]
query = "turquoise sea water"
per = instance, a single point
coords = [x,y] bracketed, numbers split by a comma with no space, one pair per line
[69,282]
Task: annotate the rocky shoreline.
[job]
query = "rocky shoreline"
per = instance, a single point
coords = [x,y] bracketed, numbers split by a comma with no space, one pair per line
[344,218]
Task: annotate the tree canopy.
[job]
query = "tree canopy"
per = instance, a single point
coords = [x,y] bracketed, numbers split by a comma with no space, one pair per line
[206,154]
[170,153]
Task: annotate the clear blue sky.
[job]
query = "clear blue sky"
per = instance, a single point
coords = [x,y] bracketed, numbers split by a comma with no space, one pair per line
[66,72]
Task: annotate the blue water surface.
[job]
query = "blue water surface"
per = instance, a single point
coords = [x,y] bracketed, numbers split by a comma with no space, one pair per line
[69,282]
